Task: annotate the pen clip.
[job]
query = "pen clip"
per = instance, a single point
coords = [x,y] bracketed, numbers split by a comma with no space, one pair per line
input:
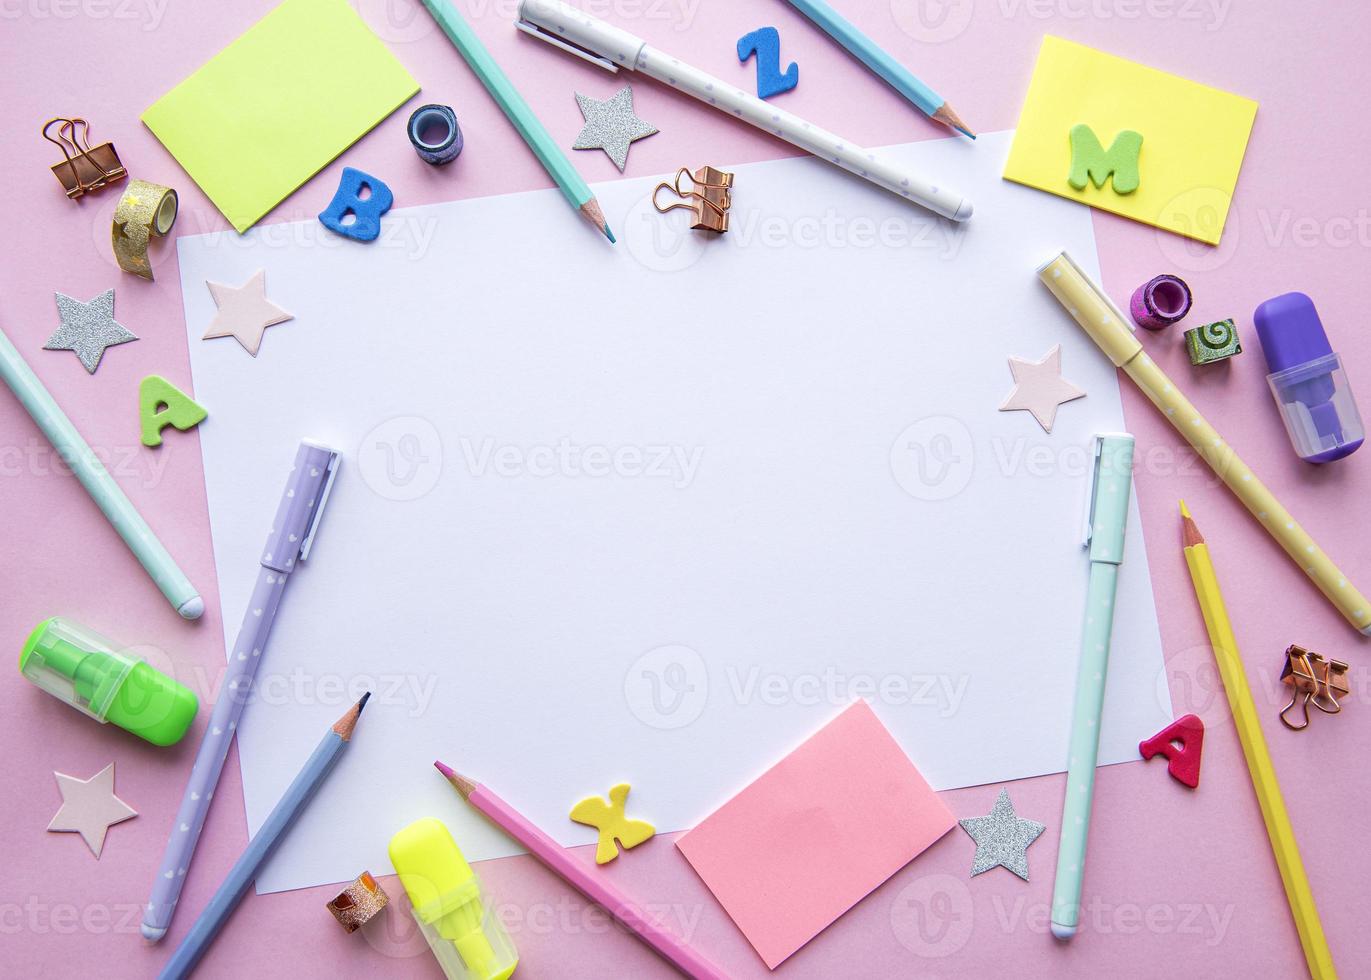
[332,472]
[580,52]
[1092,489]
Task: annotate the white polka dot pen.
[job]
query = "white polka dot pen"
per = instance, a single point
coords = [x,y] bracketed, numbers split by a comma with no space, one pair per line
[610,47]
[1109,328]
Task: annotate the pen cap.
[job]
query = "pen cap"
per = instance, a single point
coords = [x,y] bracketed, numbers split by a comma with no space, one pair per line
[1110,489]
[78,666]
[462,929]
[563,25]
[1307,380]
[301,506]
[1087,303]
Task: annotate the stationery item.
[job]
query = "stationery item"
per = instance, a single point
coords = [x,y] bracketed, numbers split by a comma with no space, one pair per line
[83,169]
[766,43]
[434,134]
[894,74]
[1183,761]
[361,197]
[609,819]
[1091,161]
[298,513]
[1002,838]
[1102,321]
[816,833]
[454,914]
[1307,380]
[1111,482]
[78,666]
[612,48]
[611,125]
[467,429]
[244,312]
[1212,342]
[145,211]
[235,885]
[1259,767]
[593,886]
[358,903]
[90,808]
[521,117]
[1040,388]
[78,455]
[272,109]
[708,198]
[1160,302]
[160,404]
[87,328]
[1312,680]
[1196,138]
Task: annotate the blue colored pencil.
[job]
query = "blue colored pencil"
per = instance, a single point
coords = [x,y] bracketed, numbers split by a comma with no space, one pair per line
[235,886]
[865,50]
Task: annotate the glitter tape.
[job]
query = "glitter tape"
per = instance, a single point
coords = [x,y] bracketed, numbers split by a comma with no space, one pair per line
[358,903]
[435,134]
[1160,302]
[145,211]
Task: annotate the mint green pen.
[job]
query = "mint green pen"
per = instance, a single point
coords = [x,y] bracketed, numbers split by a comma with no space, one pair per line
[1107,516]
[118,510]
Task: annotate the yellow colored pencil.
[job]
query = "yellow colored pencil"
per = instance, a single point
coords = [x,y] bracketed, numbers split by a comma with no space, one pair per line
[1109,328]
[1264,783]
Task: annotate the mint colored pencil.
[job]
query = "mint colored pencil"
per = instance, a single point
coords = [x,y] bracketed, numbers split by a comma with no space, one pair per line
[509,100]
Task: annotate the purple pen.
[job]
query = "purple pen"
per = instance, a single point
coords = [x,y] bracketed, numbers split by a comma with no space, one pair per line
[289,540]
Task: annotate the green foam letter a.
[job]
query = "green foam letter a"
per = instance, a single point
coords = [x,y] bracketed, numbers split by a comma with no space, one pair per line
[1090,159]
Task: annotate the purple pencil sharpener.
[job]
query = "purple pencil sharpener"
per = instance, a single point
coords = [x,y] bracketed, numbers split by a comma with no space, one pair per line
[1307,380]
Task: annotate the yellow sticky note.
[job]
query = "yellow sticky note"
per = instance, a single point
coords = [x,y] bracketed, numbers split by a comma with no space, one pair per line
[1194,137]
[277,105]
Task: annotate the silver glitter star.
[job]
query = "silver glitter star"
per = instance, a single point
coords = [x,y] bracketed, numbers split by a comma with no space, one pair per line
[87,328]
[1002,838]
[611,125]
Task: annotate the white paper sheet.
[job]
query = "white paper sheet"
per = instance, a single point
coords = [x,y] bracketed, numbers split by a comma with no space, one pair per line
[654,512]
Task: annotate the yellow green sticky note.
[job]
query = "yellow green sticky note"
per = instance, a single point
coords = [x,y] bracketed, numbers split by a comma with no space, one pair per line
[1193,137]
[277,105]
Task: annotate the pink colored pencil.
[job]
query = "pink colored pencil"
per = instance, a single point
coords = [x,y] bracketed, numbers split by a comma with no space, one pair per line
[583,878]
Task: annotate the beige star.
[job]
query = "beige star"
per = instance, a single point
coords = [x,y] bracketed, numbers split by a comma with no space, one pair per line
[244,312]
[1039,387]
[89,807]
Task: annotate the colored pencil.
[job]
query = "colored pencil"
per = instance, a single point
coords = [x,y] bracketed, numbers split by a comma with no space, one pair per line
[869,53]
[507,97]
[1109,327]
[108,496]
[260,848]
[1259,767]
[587,880]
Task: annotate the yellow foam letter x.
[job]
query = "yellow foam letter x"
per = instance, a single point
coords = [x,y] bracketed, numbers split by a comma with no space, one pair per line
[609,820]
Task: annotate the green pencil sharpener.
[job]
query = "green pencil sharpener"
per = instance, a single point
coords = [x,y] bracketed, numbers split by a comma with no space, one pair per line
[78,666]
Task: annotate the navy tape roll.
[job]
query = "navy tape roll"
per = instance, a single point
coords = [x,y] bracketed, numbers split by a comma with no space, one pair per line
[435,134]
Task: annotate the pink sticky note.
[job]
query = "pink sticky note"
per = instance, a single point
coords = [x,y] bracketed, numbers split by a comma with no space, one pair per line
[815,833]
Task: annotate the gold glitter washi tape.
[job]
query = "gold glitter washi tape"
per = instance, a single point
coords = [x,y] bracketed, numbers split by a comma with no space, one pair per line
[146,210]
[358,903]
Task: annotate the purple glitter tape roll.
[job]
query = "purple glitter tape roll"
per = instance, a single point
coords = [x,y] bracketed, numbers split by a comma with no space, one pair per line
[1160,302]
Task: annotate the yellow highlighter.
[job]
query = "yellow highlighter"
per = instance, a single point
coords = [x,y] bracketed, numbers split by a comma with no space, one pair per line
[461,928]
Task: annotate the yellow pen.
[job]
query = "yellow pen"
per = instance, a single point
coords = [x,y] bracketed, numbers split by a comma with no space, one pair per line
[1278,828]
[1110,329]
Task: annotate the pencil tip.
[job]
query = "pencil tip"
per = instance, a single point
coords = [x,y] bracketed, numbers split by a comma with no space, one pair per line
[445,770]
[1185,511]
[363,703]
[610,235]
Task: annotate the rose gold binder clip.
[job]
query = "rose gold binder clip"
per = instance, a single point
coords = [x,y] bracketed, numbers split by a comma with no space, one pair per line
[708,198]
[83,168]
[1313,680]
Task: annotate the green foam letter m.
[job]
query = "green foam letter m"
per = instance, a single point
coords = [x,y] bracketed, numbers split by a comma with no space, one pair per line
[1090,159]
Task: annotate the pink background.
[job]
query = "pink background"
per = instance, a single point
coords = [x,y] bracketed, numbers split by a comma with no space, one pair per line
[1180,881]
